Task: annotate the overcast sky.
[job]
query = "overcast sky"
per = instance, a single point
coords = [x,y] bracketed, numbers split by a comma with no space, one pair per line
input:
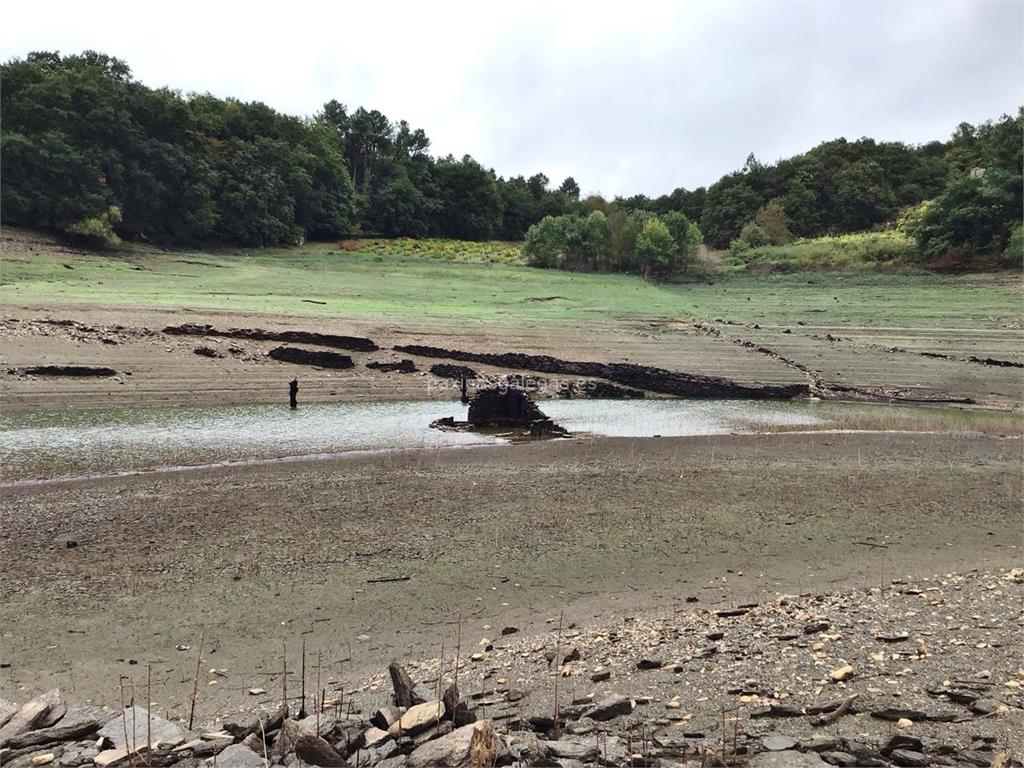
[626,97]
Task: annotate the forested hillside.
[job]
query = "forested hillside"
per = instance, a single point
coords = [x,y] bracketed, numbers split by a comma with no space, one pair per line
[91,152]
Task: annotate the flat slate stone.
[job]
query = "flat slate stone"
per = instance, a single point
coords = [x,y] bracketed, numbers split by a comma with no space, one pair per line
[776,742]
[164,732]
[787,759]
[239,756]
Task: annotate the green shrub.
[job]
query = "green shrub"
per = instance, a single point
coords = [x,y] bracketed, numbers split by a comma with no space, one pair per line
[97,231]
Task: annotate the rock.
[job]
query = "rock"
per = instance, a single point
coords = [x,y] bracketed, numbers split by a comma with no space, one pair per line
[566,653]
[649,664]
[257,691]
[814,627]
[897,637]
[313,750]
[43,759]
[67,731]
[475,744]
[418,718]
[109,757]
[451,699]
[985,706]
[402,684]
[509,631]
[138,722]
[842,673]
[582,748]
[903,723]
[53,716]
[902,741]
[265,723]
[255,743]
[525,747]
[373,737]
[7,710]
[613,750]
[899,713]
[786,759]
[384,717]
[207,747]
[909,757]
[839,758]
[610,708]
[29,715]
[600,677]
[239,756]
[776,742]
[462,715]
[732,613]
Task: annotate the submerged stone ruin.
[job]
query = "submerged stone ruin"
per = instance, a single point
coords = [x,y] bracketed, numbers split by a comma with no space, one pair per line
[504,407]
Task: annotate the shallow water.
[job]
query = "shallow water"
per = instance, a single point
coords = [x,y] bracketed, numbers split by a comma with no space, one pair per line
[47,444]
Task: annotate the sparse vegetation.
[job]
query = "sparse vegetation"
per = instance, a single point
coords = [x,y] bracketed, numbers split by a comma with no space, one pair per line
[863,251]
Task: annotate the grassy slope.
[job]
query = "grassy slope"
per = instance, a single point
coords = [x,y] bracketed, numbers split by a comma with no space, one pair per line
[412,286]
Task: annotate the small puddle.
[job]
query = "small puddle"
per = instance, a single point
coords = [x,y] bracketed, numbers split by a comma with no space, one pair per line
[75,443]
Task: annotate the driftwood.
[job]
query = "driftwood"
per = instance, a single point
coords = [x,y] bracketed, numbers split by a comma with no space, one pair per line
[835,714]
[402,684]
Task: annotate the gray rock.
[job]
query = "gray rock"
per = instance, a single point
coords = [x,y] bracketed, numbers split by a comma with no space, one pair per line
[384,717]
[137,721]
[776,742]
[7,710]
[613,750]
[524,746]
[29,715]
[574,747]
[902,741]
[453,750]
[239,756]
[612,707]
[787,759]
[909,757]
[985,706]
[837,757]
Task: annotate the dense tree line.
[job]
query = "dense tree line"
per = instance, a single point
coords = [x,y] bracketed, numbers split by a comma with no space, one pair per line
[612,238]
[89,151]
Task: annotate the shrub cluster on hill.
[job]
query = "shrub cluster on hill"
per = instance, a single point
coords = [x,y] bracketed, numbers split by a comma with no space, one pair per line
[615,240]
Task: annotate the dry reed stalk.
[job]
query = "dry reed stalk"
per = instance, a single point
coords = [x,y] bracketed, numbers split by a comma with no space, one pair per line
[124,719]
[149,715]
[558,668]
[195,681]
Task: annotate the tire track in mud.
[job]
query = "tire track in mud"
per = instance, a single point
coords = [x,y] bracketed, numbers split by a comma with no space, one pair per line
[820,387]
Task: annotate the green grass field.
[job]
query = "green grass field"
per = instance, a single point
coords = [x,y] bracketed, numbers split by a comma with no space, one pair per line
[406,283]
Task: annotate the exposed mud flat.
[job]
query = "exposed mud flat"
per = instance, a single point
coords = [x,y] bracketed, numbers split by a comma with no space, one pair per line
[165,369]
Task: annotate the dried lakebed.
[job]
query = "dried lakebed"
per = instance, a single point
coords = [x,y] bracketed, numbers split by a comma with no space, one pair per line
[51,444]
